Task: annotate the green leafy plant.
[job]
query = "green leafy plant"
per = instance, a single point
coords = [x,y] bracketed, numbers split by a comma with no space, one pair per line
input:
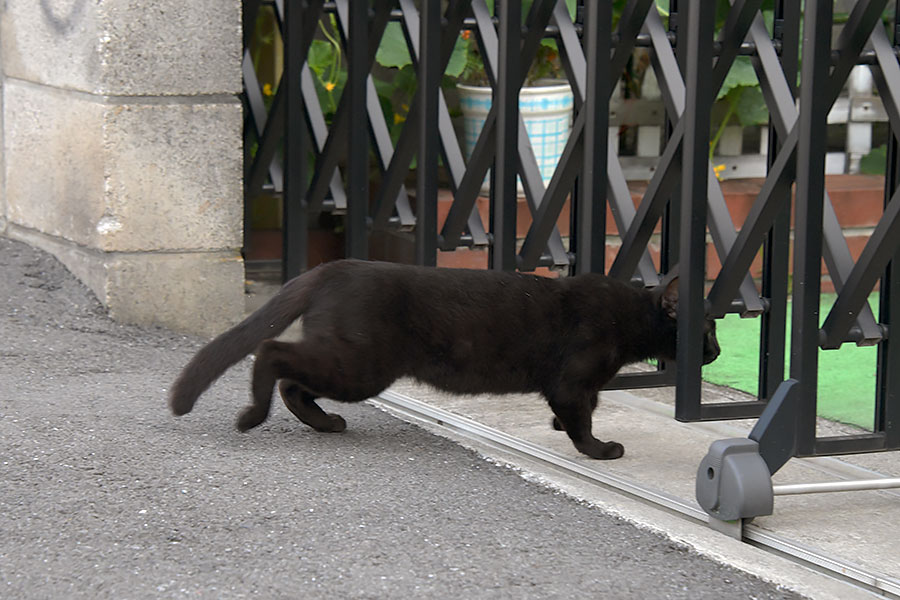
[546,64]
[326,61]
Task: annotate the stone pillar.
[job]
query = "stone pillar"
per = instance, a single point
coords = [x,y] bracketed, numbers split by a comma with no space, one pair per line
[121,151]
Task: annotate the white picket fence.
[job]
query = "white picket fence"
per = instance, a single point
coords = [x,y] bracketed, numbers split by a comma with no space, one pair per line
[858,107]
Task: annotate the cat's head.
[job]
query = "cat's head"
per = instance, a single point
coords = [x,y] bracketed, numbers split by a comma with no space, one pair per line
[667,296]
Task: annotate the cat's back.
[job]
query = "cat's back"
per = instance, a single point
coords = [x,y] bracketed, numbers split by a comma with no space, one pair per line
[367,279]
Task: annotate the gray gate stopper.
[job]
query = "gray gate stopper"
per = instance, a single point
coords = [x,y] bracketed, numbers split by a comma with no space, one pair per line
[733,481]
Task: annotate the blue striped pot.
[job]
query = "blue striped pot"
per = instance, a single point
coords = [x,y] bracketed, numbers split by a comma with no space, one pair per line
[546,110]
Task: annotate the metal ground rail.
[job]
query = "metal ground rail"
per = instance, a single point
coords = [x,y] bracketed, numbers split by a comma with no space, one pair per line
[420,412]
[323,166]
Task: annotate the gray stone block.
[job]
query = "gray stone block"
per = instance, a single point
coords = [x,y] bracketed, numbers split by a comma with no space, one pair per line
[52,41]
[125,47]
[199,292]
[173,177]
[54,161]
[170,47]
[124,177]
[121,154]
[194,292]
[3,153]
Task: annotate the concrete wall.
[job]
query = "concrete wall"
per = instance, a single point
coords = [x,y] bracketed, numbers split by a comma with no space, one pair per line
[120,130]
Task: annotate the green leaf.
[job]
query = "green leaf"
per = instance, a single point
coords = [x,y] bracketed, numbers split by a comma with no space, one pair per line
[663,7]
[457,62]
[740,74]
[751,107]
[874,162]
[393,51]
[321,55]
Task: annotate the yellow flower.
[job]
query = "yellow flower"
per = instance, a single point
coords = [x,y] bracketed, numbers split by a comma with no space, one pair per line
[398,118]
[330,85]
[267,89]
[718,171]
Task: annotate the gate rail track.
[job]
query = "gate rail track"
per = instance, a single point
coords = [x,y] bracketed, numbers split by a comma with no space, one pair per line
[815,558]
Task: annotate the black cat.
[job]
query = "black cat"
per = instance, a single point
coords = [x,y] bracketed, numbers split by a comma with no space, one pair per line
[366,324]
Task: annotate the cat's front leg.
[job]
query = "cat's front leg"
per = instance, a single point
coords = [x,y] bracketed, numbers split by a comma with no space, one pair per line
[558,426]
[573,408]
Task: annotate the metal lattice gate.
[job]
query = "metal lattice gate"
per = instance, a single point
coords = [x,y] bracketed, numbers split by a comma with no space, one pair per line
[325,167]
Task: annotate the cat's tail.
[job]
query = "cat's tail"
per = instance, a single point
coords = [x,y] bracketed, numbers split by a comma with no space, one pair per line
[216,357]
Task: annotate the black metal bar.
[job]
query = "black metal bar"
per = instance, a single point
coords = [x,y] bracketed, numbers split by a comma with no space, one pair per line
[809,211]
[784,116]
[840,266]
[759,221]
[887,394]
[479,161]
[358,64]
[667,49]
[384,151]
[851,41]
[506,100]
[544,223]
[590,204]
[697,38]
[650,379]
[878,251]
[776,249]
[623,211]
[721,227]
[335,145]
[778,89]
[631,20]
[461,209]
[254,111]
[255,174]
[664,180]
[395,173]
[732,35]
[887,386]
[886,72]
[399,199]
[725,411]
[621,206]
[249,14]
[529,172]
[256,119]
[430,76]
[319,130]
[295,216]
[846,444]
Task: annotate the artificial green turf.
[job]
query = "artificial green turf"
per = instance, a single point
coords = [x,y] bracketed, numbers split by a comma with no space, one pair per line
[846,376]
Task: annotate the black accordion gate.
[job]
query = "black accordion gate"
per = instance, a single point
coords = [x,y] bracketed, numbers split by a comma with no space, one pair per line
[325,167]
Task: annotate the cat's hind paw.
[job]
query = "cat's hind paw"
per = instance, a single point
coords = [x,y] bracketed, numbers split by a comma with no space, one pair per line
[334,424]
[250,417]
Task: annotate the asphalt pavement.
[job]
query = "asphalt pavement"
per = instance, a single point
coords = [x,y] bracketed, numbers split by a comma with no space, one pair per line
[104,494]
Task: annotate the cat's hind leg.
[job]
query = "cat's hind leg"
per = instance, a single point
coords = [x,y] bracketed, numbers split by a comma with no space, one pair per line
[303,406]
[325,369]
[573,409]
[274,360]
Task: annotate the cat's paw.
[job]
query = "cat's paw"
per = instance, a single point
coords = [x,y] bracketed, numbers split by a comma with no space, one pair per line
[331,424]
[602,450]
[338,424]
[250,417]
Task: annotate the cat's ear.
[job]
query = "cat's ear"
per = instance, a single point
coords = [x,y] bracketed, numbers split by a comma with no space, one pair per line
[669,299]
